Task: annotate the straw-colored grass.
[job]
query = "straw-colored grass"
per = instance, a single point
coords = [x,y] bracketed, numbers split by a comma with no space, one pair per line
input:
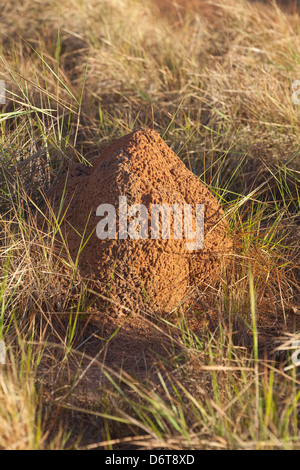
[78,75]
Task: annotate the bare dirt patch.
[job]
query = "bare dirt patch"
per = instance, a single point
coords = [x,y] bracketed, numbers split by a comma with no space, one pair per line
[179,8]
[176,10]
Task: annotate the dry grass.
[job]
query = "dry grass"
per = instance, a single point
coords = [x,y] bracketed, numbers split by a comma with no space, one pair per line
[78,75]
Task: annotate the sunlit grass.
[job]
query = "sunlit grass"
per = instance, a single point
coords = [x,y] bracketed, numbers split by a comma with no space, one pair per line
[220,95]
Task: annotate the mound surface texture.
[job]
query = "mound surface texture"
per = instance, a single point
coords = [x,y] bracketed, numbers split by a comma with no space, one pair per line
[132,272]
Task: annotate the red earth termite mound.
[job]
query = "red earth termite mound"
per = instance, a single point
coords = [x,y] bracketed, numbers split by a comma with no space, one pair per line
[133,272]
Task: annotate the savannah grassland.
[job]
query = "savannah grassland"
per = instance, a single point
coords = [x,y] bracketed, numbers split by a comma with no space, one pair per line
[217,87]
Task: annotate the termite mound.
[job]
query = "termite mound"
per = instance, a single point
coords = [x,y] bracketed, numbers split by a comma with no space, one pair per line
[133,272]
